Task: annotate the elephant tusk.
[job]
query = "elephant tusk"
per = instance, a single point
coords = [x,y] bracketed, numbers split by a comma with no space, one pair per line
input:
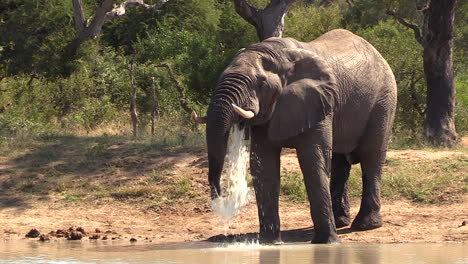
[244,113]
[198,119]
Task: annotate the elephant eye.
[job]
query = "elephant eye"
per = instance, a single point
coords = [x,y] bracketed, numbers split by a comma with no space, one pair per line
[263,85]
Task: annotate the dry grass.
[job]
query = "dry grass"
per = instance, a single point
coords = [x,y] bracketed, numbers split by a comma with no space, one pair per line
[81,168]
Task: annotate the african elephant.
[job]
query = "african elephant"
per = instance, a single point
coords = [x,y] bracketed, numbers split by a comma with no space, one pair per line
[332,99]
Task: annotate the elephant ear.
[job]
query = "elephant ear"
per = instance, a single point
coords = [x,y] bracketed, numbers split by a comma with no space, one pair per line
[308,97]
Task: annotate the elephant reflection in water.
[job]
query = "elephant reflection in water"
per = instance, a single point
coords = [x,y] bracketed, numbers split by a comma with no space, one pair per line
[332,99]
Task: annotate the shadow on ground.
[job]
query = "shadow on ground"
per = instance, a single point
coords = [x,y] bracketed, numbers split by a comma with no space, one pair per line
[288,236]
[57,163]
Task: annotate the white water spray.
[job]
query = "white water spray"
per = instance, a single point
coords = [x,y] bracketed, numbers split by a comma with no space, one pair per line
[235,192]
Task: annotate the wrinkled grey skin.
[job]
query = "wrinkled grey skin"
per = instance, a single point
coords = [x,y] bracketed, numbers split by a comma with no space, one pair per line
[333,100]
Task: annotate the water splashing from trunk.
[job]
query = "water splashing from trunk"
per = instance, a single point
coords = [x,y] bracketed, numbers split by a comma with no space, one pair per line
[236,193]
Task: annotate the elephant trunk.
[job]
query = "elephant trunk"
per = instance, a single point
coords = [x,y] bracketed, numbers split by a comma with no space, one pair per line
[217,134]
[221,117]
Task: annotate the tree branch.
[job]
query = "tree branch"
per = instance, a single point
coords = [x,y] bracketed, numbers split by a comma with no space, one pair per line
[106,10]
[417,33]
[180,89]
[78,15]
[121,9]
[247,11]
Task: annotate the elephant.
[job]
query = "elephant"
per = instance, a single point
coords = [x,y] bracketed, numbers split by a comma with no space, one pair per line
[332,99]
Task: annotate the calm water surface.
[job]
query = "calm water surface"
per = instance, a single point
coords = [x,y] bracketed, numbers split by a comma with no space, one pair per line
[71,252]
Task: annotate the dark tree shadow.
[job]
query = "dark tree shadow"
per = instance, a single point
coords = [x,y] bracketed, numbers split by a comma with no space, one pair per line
[13,202]
[57,163]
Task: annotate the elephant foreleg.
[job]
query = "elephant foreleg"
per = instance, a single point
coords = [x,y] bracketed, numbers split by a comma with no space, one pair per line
[265,169]
[315,165]
[339,189]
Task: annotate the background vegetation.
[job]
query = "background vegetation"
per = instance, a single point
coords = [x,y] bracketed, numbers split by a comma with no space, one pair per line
[64,115]
[44,90]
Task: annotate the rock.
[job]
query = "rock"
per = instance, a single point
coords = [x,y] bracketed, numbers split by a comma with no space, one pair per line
[104,238]
[94,236]
[62,233]
[133,239]
[75,235]
[80,229]
[97,230]
[33,233]
[464,223]
[44,238]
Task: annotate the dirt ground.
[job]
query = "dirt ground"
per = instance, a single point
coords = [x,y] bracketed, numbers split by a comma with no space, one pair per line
[404,221]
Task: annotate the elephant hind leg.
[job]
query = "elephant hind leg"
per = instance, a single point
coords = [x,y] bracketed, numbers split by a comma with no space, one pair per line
[371,153]
[339,189]
[369,216]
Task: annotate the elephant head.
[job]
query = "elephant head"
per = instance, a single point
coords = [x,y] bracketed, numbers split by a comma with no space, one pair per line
[274,83]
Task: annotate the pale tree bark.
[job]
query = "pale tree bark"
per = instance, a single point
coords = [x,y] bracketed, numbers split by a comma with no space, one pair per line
[154,107]
[269,22]
[133,98]
[436,38]
[107,9]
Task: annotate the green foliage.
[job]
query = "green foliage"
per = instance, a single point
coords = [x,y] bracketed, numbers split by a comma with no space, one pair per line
[44,90]
[292,185]
[94,112]
[461,109]
[368,13]
[234,32]
[36,33]
[304,26]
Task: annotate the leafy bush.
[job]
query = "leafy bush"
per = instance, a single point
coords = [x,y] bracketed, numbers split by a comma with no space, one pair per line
[292,185]
[306,22]
[461,109]
[94,112]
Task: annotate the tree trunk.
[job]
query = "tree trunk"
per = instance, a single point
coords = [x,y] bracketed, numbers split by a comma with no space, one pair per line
[438,67]
[154,107]
[133,110]
[269,22]
[437,42]
[107,9]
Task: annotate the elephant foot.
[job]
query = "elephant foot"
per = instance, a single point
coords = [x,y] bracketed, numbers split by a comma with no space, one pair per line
[321,238]
[269,239]
[367,222]
[342,221]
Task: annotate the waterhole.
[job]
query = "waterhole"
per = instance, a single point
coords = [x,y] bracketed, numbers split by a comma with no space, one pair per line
[33,252]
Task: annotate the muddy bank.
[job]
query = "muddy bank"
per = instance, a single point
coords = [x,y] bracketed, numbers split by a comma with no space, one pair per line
[404,221]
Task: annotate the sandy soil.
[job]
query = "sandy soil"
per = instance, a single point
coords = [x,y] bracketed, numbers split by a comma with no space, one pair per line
[404,221]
